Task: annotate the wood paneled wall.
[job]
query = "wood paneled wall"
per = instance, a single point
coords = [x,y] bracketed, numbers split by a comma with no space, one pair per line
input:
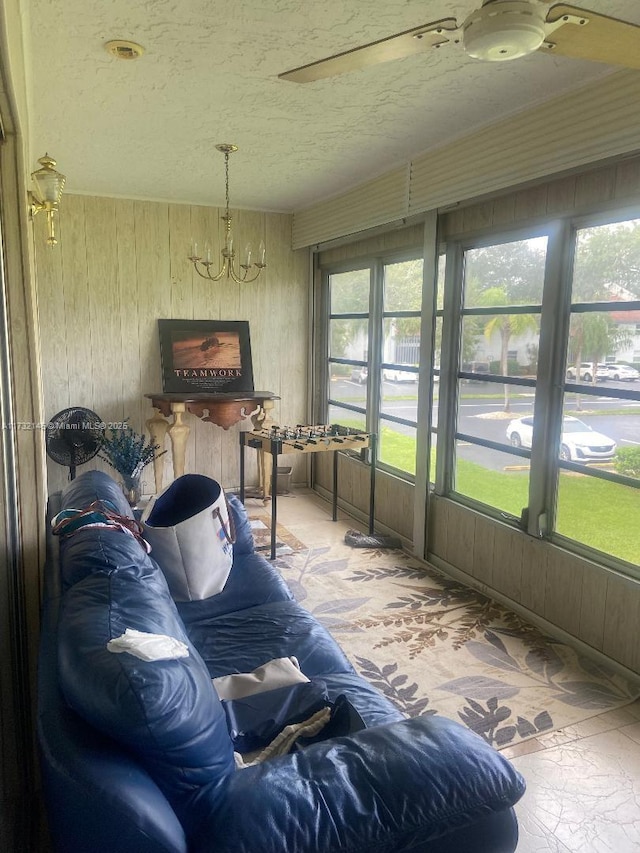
[119,267]
[597,606]
[394,498]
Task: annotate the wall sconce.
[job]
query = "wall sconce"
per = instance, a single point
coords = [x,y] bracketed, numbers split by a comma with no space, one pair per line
[48,191]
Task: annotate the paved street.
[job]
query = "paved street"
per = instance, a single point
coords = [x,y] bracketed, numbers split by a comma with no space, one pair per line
[481,414]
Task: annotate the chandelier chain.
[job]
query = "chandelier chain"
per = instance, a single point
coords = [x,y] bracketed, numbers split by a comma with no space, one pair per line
[239,274]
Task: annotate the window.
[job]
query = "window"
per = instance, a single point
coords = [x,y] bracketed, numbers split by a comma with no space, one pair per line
[600,438]
[498,327]
[542,427]
[374,354]
[535,376]
[435,372]
[348,343]
[400,361]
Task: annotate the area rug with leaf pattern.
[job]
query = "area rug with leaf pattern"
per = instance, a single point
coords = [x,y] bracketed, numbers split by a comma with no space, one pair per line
[435,646]
[286,542]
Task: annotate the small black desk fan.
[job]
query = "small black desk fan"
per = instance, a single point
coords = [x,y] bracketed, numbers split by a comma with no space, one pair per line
[73,437]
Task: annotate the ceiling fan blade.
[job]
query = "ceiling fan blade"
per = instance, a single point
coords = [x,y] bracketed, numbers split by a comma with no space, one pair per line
[407,43]
[601,39]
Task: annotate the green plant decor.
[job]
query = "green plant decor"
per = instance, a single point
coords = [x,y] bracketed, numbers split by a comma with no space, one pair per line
[129,453]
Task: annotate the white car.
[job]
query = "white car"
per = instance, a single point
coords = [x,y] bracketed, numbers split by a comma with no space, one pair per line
[359,375]
[586,370]
[394,375]
[620,372]
[579,442]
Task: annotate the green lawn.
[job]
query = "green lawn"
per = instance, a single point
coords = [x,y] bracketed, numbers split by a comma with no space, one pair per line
[507,491]
[594,512]
[601,514]
[397,450]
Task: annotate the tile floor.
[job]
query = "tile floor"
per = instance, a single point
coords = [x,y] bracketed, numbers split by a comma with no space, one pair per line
[583,782]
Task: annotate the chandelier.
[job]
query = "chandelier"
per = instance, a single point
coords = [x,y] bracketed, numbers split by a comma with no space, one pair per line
[239,273]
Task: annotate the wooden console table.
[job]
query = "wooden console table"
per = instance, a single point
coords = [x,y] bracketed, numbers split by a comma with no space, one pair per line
[223,409]
[308,439]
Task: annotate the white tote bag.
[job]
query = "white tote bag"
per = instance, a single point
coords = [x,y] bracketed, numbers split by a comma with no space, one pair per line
[191,533]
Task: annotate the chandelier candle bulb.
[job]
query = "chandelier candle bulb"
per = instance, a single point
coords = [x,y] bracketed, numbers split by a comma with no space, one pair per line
[247,255]
[262,254]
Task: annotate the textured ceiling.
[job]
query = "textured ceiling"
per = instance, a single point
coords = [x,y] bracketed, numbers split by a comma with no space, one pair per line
[147,128]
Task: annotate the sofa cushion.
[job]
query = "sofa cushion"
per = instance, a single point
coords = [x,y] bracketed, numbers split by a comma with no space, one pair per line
[426,785]
[90,550]
[244,640]
[86,551]
[93,486]
[167,711]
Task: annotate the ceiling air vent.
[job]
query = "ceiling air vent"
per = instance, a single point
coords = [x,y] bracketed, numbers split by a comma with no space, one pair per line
[124,49]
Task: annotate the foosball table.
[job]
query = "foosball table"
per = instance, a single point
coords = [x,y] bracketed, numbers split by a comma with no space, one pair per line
[308,439]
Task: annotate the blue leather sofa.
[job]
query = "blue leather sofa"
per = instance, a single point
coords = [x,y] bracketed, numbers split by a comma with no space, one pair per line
[136,757]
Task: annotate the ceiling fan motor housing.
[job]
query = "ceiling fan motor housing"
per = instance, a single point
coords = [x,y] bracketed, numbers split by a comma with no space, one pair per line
[503,30]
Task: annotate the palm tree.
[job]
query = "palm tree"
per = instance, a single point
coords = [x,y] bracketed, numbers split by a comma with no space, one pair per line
[507,326]
[591,337]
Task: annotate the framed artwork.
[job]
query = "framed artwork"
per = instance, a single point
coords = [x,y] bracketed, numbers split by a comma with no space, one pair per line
[205,356]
